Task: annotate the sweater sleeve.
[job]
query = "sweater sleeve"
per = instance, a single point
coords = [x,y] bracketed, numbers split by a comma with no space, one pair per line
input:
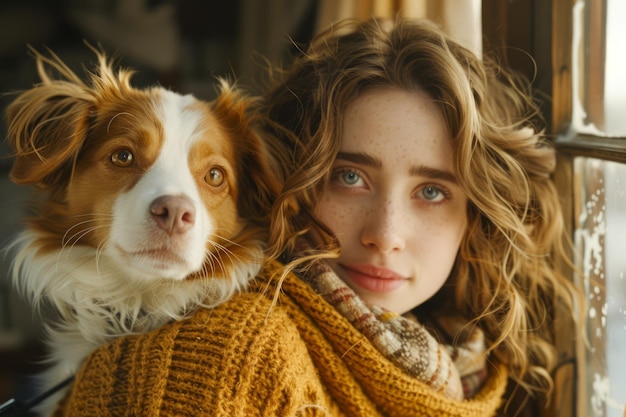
[234,360]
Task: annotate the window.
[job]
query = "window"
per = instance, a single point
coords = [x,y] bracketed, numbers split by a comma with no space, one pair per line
[599,200]
[578,65]
[593,148]
[600,234]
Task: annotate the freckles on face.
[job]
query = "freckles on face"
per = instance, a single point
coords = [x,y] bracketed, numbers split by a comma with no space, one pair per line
[339,216]
[393,200]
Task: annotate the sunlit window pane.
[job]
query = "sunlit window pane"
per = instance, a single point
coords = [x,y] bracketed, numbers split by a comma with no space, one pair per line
[600,238]
[599,85]
[615,91]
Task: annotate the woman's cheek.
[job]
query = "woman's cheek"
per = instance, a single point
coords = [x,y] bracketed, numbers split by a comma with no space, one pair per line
[338,216]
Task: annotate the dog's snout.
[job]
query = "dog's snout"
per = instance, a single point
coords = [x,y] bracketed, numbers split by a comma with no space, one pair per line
[174,214]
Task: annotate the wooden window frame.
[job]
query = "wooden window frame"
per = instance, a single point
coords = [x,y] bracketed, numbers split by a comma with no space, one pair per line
[543,29]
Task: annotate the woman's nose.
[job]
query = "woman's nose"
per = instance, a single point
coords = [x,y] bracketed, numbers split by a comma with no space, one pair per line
[385,229]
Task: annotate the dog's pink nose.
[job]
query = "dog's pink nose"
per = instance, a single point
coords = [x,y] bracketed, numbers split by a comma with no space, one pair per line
[174,214]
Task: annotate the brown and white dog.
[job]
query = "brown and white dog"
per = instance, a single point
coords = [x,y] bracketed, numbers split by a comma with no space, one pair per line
[154,203]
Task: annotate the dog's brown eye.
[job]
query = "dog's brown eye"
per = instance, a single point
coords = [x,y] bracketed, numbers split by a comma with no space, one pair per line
[122,158]
[215,177]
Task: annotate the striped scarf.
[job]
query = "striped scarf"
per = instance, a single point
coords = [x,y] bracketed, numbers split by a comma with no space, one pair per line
[443,353]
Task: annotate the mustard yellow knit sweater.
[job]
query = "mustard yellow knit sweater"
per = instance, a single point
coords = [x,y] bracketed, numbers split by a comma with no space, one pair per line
[240,359]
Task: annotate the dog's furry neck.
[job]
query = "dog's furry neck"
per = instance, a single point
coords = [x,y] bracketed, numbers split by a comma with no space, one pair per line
[101,301]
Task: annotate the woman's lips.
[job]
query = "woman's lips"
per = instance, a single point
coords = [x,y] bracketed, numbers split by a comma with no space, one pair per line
[373,278]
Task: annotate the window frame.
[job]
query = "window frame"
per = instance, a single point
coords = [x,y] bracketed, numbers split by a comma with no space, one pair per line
[543,30]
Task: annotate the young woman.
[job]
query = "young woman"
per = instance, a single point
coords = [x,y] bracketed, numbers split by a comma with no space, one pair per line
[418,232]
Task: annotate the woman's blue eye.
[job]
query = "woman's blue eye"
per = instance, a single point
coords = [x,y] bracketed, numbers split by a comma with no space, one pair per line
[350,177]
[432,194]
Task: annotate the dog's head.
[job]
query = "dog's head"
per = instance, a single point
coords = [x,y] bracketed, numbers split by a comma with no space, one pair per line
[160,183]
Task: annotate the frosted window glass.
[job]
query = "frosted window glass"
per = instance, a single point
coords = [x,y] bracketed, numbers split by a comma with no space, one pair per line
[600,238]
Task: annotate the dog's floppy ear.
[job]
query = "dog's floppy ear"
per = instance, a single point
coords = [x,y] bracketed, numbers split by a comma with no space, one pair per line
[258,171]
[47,125]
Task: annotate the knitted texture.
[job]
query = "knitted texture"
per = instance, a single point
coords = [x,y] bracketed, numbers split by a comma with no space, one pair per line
[244,358]
[456,370]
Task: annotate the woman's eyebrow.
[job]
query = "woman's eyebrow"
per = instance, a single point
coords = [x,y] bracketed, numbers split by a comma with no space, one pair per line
[360,158]
[434,173]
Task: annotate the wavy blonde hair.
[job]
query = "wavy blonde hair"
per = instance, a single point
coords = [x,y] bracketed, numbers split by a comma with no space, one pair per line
[514,241]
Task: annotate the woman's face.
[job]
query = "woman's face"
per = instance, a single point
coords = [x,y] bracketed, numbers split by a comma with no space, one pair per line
[393,200]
